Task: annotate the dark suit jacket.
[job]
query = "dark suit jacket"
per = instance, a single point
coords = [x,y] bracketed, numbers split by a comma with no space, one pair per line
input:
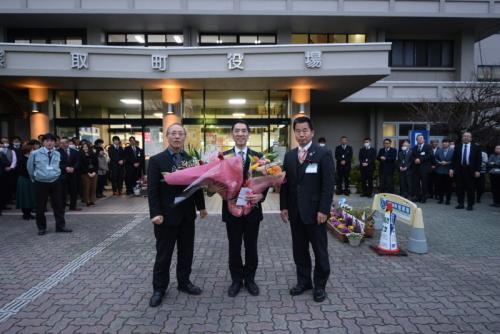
[425,156]
[256,214]
[89,163]
[388,165]
[115,155]
[474,158]
[367,156]
[405,160]
[131,158]
[161,195]
[341,154]
[305,194]
[73,160]
[4,162]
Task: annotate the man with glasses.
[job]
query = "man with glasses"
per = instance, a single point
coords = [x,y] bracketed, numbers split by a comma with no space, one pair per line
[172,224]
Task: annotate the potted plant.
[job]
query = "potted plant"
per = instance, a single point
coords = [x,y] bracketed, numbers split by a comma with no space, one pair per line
[354,238]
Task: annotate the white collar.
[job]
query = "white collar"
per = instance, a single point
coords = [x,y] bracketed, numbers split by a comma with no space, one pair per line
[306,147]
[244,150]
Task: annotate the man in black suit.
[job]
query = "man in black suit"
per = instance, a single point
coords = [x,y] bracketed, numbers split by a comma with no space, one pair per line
[422,164]
[367,156]
[70,163]
[465,169]
[172,224]
[387,158]
[343,156]
[133,165]
[405,163]
[246,228]
[305,200]
[116,161]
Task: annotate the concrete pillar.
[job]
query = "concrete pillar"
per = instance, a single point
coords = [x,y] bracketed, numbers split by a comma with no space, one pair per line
[466,56]
[301,106]
[39,118]
[171,98]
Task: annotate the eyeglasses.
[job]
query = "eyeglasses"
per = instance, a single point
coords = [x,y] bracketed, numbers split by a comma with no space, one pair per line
[176,134]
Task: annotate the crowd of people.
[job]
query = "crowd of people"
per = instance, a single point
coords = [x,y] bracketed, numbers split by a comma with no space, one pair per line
[426,171]
[64,169]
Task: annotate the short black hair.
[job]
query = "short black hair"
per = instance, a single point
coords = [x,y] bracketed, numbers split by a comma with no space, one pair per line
[57,137]
[388,139]
[406,141]
[33,142]
[322,140]
[240,121]
[131,137]
[303,119]
[445,140]
[367,138]
[115,138]
[98,141]
[343,137]
[49,136]
[16,138]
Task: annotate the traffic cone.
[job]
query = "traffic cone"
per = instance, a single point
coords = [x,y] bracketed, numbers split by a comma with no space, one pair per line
[388,244]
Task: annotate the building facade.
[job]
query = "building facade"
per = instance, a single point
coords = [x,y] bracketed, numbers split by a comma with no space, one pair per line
[98,68]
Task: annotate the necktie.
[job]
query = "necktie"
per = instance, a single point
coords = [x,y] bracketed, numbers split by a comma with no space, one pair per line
[177,159]
[242,156]
[49,153]
[464,156]
[419,148]
[302,155]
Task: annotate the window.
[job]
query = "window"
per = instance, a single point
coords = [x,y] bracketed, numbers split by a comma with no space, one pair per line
[421,53]
[327,38]
[47,36]
[145,39]
[236,39]
[488,73]
[399,131]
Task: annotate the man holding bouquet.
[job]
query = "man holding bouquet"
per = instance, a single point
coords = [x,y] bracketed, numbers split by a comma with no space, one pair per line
[172,224]
[245,228]
[305,200]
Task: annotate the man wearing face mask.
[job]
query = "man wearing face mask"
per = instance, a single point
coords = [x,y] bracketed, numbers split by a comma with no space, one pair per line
[443,159]
[9,171]
[367,156]
[343,156]
[405,164]
[70,163]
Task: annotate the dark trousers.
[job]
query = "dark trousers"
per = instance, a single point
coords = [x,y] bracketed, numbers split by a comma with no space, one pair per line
[132,174]
[367,180]
[101,181]
[166,238]
[70,187]
[480,185]
[11,184]
[495,187]
[237,233]
[406,184]
[3,194]
[42,192]
[433,183]
[116,175]
[421,182]
[465,183]
[342,179]
[302,236]
[443,186]
[387,181]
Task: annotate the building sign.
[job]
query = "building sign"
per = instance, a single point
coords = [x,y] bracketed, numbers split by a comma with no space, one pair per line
[413,136]
[79,61]
[159,63]
[235,61]
[313,59]
[3,61]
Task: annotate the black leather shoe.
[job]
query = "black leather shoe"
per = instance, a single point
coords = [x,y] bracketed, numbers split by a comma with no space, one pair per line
[42,232]
[299,289]
[234,289]
[252,288]
[190,288]
[469,208]
[460,206]
[319,295]
[64,230]
[156,298]
[440,201]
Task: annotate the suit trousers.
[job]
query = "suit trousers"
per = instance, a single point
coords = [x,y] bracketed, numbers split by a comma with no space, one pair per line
[495,187]
[166,238]
[366,180]
[443,186]
[302,236]
[465,183]
[386,182]
[406,184]
[116,176]
[89,185]
[342,179]
[132,174]
[70,186]
[42,192]
[421,182]
[245,232]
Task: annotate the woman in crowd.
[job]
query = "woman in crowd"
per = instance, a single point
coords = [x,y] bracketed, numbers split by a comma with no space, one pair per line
[25,193]
[89,166]
[102,172]
[494,171]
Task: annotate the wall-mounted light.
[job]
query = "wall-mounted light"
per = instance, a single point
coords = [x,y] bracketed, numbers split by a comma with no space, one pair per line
[35,107]
[302,108]
[170,108]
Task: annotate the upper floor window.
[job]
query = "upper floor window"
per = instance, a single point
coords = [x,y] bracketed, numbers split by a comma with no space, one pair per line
[145,39]
[327,38]
[236,39]
[47,36]
[421,53]
[488,73]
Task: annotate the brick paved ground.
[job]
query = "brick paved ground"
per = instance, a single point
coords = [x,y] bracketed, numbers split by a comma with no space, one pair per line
[453,289]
